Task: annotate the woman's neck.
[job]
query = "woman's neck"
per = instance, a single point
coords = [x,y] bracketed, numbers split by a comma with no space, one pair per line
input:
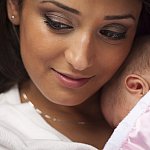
[95,131]
[88,111]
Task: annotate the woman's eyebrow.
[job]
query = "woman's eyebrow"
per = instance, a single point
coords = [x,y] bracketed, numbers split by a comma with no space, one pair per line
[58,4]
[119,17]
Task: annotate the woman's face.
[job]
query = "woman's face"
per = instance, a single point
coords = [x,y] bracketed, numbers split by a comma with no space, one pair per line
[71,48]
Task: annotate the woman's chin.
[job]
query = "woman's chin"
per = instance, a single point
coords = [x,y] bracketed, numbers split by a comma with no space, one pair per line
[67,102]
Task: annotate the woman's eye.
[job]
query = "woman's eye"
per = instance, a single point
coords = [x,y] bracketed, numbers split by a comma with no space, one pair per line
[57,23]
[113,32]
[113,35]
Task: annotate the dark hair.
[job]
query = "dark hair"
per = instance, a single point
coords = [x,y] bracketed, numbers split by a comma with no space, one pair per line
[144,20]
[138,62]
[12,70]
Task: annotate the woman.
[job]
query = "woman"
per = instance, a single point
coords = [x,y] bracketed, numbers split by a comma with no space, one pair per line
[55,56]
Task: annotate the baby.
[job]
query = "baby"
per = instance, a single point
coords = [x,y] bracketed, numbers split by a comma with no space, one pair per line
[129,85]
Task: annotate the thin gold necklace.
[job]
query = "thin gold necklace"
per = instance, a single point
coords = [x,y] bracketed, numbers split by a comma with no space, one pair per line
[54,119]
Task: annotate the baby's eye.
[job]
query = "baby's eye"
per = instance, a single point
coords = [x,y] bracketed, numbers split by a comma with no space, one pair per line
[57,23]
[113,33]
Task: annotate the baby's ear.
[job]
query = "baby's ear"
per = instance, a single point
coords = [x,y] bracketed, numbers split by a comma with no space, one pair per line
[135,84]
[13,11]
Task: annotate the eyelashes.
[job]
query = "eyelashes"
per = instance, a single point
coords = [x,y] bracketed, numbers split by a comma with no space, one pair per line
[55,24]
[110,33]
[114,32]
[113,35]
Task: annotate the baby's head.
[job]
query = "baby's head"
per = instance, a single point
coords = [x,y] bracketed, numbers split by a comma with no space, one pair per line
[129,84]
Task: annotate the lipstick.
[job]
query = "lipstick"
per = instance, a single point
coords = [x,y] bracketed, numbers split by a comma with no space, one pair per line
[70,81]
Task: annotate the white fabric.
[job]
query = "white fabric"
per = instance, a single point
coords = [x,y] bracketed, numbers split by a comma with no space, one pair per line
[121,138]
[22,128]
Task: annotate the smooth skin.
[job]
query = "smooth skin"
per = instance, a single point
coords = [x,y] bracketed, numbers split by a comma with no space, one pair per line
[86,39]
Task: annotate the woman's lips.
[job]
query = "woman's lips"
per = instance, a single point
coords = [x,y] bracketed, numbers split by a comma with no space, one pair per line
[70,81]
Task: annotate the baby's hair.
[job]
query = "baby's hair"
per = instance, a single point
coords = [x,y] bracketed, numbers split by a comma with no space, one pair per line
[138,61]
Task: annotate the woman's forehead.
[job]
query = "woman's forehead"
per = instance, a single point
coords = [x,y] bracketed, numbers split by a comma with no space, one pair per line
[85,1]
[89,3]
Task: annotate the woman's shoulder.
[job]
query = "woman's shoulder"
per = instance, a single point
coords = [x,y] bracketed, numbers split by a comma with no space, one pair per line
[11,96]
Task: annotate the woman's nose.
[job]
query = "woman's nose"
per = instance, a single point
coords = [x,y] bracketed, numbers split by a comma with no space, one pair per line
[80,54]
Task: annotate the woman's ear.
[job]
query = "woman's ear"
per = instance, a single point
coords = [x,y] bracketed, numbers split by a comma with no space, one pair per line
[135,84]
[13,11]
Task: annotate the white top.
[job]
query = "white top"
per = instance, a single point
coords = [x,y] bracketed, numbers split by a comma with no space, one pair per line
[22,128]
